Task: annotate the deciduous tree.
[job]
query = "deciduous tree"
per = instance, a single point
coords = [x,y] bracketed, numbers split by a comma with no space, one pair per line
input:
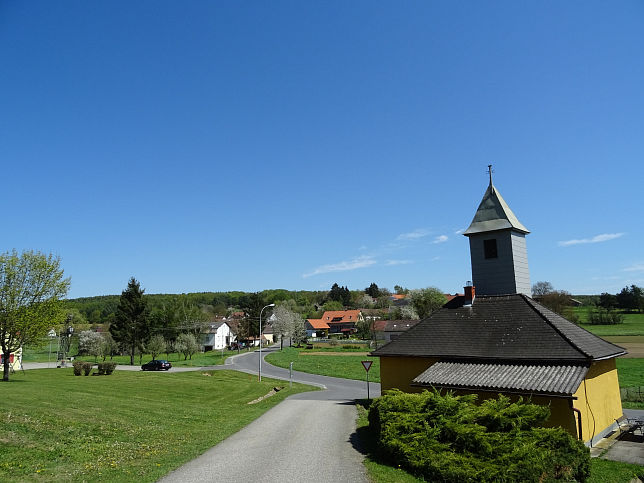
[31,285]
[542,288]
[426,300]
[298,329]
[89,342]
[187,344]
[156,345]
[283,324]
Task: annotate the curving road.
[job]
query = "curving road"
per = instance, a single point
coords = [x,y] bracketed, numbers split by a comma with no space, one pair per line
[307,437]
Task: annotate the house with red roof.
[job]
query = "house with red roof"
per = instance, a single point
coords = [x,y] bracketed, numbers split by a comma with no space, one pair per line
[316,328]
[342,321]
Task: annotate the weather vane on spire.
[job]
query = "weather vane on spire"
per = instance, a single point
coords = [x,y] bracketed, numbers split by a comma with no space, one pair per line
[490,171]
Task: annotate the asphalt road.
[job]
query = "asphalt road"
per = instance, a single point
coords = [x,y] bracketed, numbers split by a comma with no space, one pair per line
[308,437]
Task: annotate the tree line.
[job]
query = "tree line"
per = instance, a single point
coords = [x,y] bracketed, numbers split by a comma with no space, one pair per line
[629,299]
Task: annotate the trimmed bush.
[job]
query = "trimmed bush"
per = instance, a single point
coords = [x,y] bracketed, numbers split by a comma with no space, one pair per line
[82,367]
[106,368]
[450,438]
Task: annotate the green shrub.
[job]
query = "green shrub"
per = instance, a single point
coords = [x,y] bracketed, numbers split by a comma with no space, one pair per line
[333,342]
[82,367]
[603,316]
[450,438]
[106,368]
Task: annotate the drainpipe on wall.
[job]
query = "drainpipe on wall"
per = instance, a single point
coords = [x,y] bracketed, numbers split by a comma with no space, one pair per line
[578,421]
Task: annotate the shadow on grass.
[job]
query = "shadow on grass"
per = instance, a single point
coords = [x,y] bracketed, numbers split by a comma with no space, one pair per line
[363,439]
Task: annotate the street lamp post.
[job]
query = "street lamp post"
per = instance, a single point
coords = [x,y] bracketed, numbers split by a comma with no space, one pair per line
[260,339]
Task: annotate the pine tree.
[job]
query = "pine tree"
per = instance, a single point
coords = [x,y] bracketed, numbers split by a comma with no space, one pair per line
[132,322]
[336,293]
[373,291]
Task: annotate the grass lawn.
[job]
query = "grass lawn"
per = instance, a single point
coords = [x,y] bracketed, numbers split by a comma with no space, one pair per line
[601,471]
[345,366]
[631,372]
[130,426]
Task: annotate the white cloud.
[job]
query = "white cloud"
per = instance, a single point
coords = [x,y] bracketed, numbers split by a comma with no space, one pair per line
[440,239]
[596,239]
[359,262]
[638,267]
[397,262]
[458,232]
[413,235]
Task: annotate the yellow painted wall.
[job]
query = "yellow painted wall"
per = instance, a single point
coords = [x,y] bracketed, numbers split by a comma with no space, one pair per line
[598,398]
[398,372]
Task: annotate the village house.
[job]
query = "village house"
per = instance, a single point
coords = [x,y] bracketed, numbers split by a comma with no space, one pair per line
[342,321]
[316,328]
[496,339]
[217,335]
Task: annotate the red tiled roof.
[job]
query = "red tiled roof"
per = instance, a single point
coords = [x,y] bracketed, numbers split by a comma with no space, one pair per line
[318,323]
[342,316]
[398,296]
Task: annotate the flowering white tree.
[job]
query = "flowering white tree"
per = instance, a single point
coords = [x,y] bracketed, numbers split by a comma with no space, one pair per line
[283,323]
[298,329]
[90,342]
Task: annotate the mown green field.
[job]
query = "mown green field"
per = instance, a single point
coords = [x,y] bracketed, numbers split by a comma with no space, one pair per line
[345,366]
[130,426]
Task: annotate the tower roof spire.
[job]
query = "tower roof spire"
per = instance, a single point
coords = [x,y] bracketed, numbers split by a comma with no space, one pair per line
[494,213]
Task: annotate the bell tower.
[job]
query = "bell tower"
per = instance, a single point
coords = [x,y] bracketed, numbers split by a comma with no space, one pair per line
[498,247]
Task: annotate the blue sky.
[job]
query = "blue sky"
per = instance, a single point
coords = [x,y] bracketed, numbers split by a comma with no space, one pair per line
[209,146]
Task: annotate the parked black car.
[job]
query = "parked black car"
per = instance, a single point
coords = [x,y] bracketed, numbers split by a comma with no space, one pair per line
[157,365]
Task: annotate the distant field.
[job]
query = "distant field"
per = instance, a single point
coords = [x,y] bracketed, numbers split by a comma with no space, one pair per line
[633,324]
[130,426]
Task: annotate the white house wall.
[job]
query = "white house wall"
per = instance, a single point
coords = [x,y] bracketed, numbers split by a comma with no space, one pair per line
[219,339]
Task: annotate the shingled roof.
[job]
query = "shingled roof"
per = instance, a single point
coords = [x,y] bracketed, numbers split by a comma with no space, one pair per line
[499,328]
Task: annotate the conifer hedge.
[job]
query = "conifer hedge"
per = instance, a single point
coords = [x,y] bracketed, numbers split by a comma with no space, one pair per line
[451,438]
